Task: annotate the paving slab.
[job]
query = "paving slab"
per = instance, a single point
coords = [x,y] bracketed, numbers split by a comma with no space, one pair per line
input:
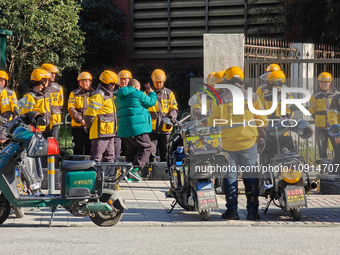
[148,206]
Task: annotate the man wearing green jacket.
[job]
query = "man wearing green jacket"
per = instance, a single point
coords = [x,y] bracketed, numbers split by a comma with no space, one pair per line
[134,124]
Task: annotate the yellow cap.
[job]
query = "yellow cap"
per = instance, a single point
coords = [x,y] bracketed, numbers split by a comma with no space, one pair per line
[108,77]
[324,76]
[49,67]
[158,75]
[273,67]
[233,72]
[39,74]
[125,74]
[84,76]
[4,75]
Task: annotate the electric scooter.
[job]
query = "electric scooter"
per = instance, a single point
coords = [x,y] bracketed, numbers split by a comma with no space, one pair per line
[82,190]
[193,152]
[288,180]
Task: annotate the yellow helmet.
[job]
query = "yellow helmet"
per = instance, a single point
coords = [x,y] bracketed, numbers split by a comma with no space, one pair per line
[217,77]
[276,76]
[84,76]
[108,77]
[210,78]
[4,75]
[125,74]
[158,75]
[49,67]
[39,74]
[324,76]
[273,67]
[233,72]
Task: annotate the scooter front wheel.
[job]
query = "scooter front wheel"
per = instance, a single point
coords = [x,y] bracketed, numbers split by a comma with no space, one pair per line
[19,212]
[5,209]
[108,219]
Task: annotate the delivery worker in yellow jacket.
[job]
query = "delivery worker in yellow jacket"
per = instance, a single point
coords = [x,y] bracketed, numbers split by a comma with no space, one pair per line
[5,105]
[333,116]
[275,79]
[56,98]
[319,107]
[239,136]
[212,79]
[77,104]
[166,106]
[101,119]
[38,100]
[11,95]
[266,86]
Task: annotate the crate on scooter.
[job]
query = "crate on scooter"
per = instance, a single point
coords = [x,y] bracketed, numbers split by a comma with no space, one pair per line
[157,171]
[202,141]
[329,177]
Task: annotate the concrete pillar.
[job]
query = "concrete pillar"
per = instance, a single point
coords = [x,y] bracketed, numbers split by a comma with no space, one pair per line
[302,74]
[221,51]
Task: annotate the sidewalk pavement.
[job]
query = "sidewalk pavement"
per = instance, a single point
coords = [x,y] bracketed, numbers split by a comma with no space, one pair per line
[147,206]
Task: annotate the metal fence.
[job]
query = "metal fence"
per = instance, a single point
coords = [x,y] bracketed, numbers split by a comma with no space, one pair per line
[300,73]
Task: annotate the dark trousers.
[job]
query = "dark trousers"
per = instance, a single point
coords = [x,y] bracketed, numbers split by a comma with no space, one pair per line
[321,137]
[160,143]
[103,149]
[138,149]
[81,142]
[55,131]
[118,146]
[336,159]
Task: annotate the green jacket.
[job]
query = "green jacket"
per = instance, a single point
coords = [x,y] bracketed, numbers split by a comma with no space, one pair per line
[132,111]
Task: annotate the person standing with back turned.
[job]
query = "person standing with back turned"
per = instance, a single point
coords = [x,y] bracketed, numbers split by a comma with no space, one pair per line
[134,124]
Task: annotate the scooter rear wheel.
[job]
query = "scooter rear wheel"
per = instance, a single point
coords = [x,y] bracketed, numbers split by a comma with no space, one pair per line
[5,209]
[108,219]
[296,214]
[205,215]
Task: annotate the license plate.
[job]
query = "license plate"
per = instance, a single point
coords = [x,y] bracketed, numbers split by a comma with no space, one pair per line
[206,199]
[295,197]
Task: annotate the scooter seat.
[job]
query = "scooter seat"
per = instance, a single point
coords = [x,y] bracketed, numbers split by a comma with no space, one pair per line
[71,166]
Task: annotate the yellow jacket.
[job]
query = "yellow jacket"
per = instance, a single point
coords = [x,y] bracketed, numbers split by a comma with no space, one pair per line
[13,101]
[39,102]
[57,101]
[100,115]
[237,134]
[265,94]
[334,111]
[319,107]
[166,106]
[77,104]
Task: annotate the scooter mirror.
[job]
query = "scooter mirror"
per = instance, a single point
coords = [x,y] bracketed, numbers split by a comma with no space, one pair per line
[22,102]
[334,130]
[17,111]
[303,129]
[41,121]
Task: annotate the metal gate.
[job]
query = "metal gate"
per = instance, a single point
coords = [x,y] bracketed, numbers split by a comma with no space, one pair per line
[300,73]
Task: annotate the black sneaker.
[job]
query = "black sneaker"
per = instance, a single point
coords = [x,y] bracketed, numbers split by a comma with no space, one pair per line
[253,216]
[230,216]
